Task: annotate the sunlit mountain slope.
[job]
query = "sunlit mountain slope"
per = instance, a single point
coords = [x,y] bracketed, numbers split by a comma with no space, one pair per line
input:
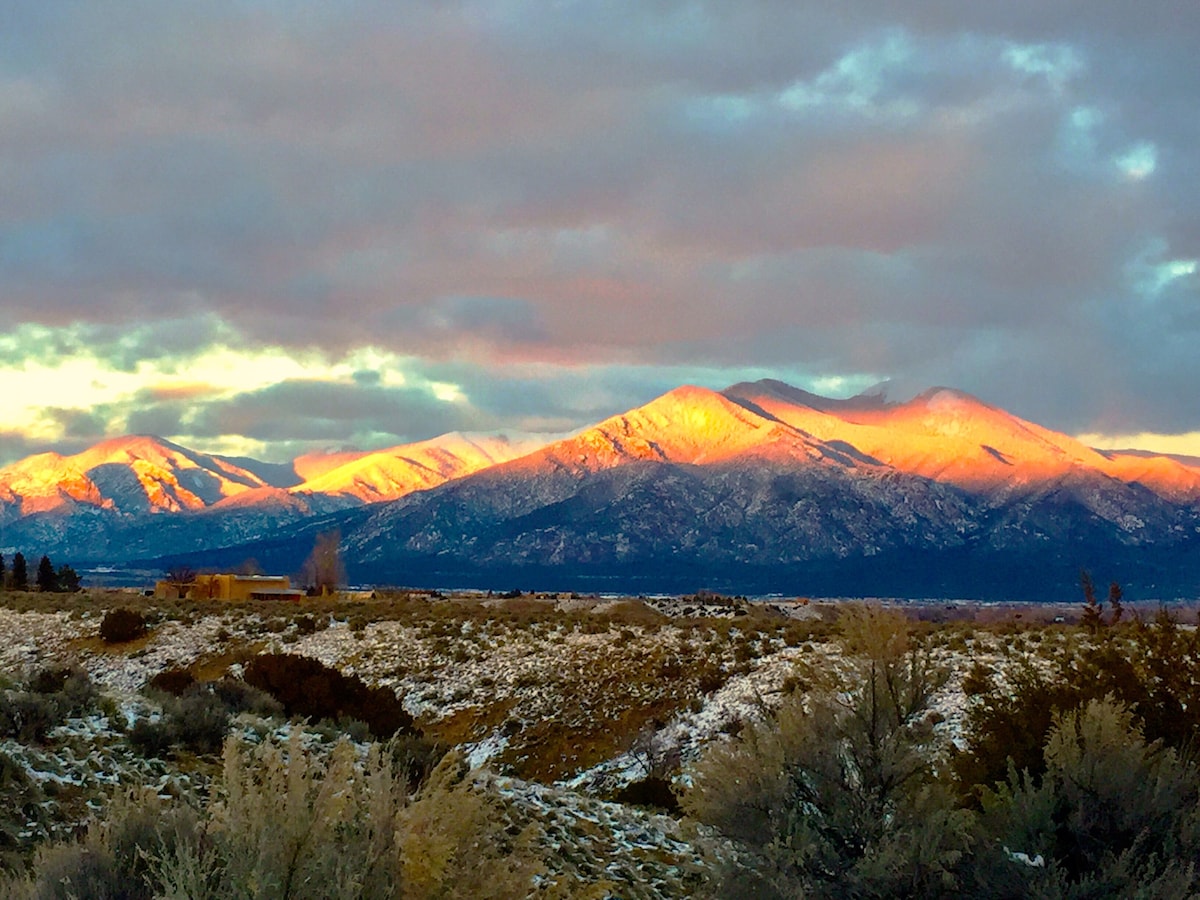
[392,473]
[137,474]
[759,484]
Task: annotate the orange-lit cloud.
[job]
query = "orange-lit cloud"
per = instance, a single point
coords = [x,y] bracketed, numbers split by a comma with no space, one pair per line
[185,391]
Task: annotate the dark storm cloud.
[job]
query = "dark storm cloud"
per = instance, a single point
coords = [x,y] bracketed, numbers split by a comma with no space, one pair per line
[1000,197]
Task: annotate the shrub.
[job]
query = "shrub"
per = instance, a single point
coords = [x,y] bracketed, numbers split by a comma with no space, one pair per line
[834,795]
[199,720]
[27,717]
[1112,816]
[152,740]
[652,791]
[308,687]
[70,686]
[239,697]
[1153,670]
[414,757]
[121,625]
[22,809]
[288,823]
[49,680]
[115,858]
[172,681]
[53,695]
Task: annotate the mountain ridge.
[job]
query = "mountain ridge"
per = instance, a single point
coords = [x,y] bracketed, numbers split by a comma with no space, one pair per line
[757,479]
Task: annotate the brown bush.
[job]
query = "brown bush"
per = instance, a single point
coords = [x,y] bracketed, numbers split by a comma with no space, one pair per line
[172,681]
[307,687]
[633,612]
[121,625]
[653,792]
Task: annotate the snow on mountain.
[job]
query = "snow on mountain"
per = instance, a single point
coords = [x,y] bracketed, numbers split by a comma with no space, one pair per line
[761,476]
[1176,478]
[98,504]
[314,465]
[950,436]
[392,473]
[689,425]
[137,474]
[763,483]
[45,482]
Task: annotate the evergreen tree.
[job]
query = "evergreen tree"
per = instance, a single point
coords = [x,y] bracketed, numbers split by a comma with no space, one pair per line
[3,574]
[46,580]
[20,577]
[68,579]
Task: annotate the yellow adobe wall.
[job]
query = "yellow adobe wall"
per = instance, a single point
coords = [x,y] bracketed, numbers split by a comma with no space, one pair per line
[236,587]
[166,590]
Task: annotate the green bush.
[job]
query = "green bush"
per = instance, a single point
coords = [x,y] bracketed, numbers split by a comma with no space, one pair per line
[152,740]
[1111,816]
[115,860]
[53,694]
[22,810]
[414,757]
[239,697]
[171,681]
[834,795]
[1151,669]
[653,791]
[197,719]
[28,717]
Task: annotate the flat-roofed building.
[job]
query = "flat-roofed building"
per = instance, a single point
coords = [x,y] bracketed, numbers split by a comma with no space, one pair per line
[230,587]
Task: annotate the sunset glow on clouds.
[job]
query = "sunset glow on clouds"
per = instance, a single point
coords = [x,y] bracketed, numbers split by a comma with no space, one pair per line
[262,228]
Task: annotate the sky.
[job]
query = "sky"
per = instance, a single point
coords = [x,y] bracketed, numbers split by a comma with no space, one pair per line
[264,228]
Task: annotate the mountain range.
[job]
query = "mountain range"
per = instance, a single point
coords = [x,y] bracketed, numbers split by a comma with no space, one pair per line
[761,487]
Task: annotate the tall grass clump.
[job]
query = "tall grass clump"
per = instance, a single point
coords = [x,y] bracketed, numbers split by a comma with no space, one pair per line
[286,822]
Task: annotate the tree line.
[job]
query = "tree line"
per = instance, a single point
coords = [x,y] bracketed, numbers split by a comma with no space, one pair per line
[47,578]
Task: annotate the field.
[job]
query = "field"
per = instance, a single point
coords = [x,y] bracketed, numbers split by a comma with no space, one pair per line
[583,720]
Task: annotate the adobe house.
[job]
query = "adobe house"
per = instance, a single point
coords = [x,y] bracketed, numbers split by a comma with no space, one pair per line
[231,587]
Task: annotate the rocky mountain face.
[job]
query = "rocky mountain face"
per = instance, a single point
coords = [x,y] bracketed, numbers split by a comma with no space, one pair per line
[761,487]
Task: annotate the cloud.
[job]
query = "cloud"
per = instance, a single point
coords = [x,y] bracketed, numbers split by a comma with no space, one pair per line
[16,444]
[524,197]
[78,424]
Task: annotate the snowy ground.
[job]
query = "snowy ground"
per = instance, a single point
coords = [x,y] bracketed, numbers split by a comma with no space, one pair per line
[562,709]
[494,686]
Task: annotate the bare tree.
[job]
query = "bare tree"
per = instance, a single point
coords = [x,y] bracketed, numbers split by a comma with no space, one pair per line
[1093,613]
[181,578]
[250,566]
[323,571]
